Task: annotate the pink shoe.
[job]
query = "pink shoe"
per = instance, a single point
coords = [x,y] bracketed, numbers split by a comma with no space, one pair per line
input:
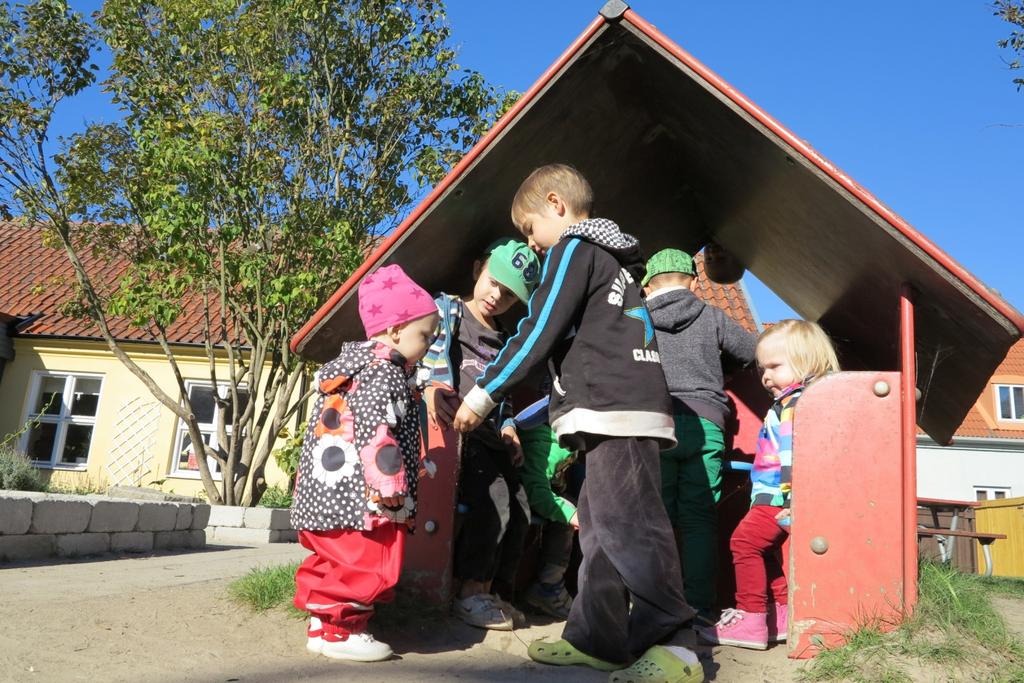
[778,623]
[739,628]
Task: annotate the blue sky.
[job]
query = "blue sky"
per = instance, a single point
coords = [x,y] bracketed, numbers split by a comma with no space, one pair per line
[913,100]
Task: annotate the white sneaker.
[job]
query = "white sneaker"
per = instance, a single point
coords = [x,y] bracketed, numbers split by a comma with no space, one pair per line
[314,636]
[357,647]
[481,611]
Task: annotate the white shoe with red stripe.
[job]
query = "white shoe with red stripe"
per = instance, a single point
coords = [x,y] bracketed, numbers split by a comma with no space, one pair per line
[355,647]
[314,636]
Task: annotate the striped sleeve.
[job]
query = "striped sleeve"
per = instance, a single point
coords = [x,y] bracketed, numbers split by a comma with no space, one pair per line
[551,313]
[437,363]
[785,428]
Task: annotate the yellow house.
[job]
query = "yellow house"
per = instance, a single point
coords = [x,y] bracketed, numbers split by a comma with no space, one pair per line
[96,424]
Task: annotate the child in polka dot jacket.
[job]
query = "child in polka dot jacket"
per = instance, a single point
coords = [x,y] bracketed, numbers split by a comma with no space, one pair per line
[356,485]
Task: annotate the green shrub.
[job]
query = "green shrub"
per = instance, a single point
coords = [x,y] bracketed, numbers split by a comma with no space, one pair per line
[287,456]
[17,472]
[275,497]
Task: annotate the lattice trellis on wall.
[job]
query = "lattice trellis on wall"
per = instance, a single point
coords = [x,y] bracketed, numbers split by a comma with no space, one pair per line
[135,435]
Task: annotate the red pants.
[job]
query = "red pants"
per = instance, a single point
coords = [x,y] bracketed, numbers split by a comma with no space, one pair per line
[347,573]
[756,554]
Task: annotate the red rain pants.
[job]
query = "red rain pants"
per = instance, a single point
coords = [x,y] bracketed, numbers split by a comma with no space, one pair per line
[347,573]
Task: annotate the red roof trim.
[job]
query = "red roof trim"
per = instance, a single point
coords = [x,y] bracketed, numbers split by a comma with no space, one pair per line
[829,168]
[452,176]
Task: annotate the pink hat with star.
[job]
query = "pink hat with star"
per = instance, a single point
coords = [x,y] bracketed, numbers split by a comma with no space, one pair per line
[389,297]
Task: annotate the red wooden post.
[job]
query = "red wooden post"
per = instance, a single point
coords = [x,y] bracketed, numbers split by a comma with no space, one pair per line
[908,431]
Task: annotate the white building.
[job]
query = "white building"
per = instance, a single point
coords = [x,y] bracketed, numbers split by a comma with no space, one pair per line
[986,459]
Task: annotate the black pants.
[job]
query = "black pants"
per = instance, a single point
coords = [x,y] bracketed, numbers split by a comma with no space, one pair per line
[490,541]
[629,555]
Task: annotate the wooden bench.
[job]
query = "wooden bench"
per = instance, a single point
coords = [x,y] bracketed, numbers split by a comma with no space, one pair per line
[947,546]
[984,539]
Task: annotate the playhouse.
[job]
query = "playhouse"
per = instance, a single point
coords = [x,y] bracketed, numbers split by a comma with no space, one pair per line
[679,158]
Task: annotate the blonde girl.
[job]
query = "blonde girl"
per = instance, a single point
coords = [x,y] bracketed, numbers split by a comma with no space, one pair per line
[791,355]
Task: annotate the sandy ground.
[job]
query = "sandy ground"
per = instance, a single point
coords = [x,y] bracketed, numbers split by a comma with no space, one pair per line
[166,617]
[1012,610]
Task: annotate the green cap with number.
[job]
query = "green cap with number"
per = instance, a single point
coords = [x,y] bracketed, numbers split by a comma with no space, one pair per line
[514,265]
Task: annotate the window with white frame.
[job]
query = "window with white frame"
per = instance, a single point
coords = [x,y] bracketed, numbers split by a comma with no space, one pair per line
[1010,401]
[184,462]
[62,411]
[991,492]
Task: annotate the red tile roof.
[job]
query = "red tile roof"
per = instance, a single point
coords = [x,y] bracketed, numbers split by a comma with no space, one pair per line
[730,298]
[36,279]
[982,420]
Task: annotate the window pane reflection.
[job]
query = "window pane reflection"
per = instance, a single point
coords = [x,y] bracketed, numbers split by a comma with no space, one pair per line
[40,441]
[76,445]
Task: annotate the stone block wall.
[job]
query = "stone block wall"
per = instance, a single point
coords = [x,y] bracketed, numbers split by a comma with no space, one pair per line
[38,525]
[230,524]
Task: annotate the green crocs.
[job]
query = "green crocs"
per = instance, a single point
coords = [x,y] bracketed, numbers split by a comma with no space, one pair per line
[563,653]
[662,664]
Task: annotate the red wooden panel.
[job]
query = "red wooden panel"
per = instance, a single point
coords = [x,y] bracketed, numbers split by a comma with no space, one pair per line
[427,569]
[848,503]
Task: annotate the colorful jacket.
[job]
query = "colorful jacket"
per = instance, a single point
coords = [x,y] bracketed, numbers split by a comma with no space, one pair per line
[772,472]
[437,368]
[362,443]
[588,320]
[543,473]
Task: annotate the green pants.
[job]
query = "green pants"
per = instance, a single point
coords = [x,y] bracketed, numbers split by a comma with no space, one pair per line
[691,483]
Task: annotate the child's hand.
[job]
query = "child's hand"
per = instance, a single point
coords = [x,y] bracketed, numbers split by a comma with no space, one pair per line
[783,514]
[441,404]
[511,439]
[575,521]
[393,501]
[466,420]
[396,501]
[428,468]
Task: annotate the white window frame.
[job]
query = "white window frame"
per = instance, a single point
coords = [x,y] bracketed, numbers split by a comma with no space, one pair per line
[62,419]
[1014,408]
[991,491]
[206,428]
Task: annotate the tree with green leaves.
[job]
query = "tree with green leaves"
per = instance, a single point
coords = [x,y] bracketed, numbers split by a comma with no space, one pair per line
[1012,11]
[263,148]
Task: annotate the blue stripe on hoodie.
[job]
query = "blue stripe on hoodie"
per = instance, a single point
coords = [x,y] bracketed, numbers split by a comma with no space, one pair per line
[549,304]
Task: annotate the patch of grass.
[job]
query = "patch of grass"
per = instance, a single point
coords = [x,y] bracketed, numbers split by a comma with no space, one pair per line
[1003,585]
[955,602]
[954,625]
[266,588]
[78,487]
[864,659]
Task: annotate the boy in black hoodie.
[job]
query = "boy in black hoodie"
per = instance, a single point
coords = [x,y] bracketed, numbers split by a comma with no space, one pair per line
[696,340]
[610,402]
